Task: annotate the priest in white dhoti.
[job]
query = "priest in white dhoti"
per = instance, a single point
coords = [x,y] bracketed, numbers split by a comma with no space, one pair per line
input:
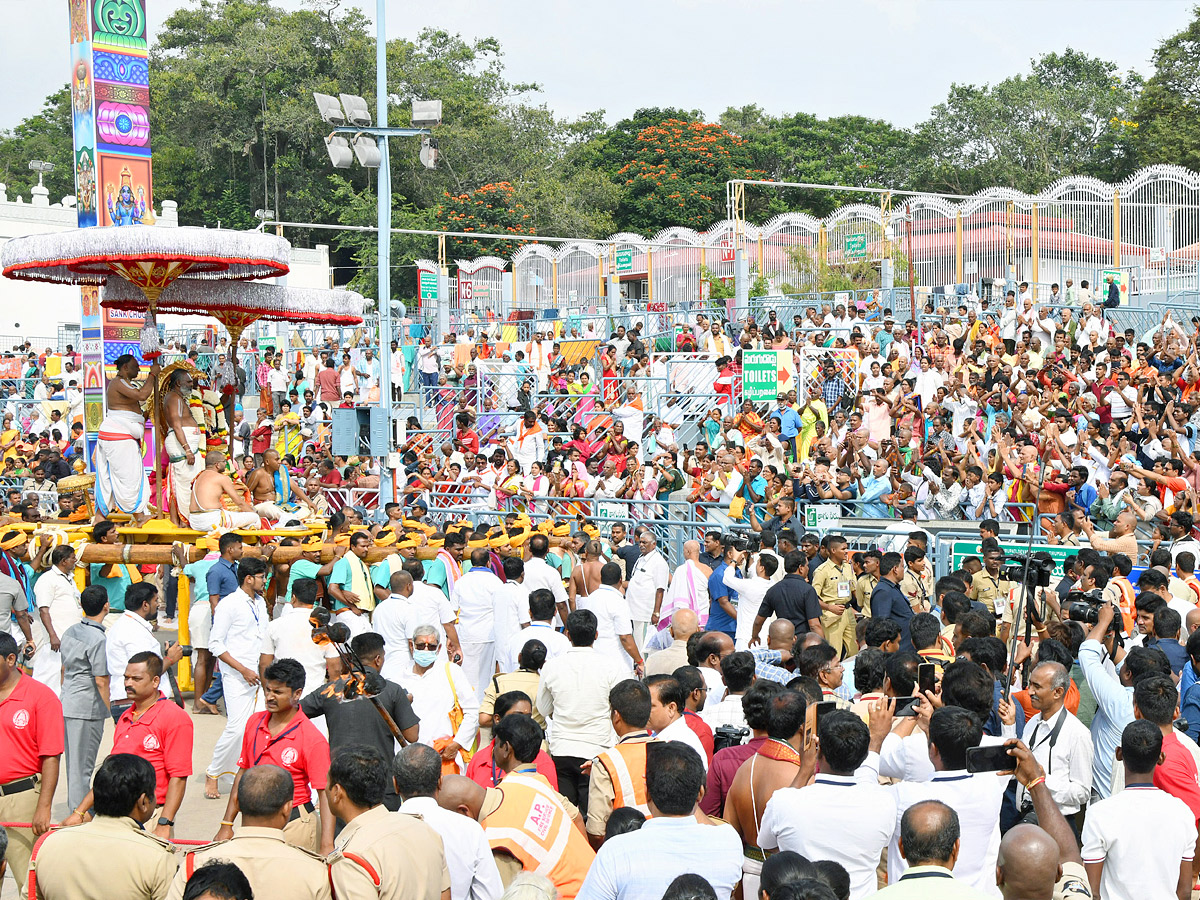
[121,483]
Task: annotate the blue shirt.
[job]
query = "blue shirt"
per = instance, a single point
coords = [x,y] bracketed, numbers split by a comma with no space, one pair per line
[888,602]
[789,422]
[718,619]
[1114,710]
[1176,654]
[766,665]
[116,586]
[197,572]
[222,579]
[1085,496]
[872,490]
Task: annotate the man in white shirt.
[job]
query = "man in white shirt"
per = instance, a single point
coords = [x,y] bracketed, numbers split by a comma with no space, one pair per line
[1059,742]
[239,626]
[398,373]
[417,771]
[975,798]
[510,610]
[668,700]
[437,686]
[1139,843]
[290,637]
[573,698]
[133,633]
[540,574]
[410,604]
[615,624]
[57,601]
[472,596]
[541,628]
[671,843]
[647,583]
[856,818]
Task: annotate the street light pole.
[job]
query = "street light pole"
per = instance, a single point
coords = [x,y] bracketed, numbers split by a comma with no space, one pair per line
[384,292]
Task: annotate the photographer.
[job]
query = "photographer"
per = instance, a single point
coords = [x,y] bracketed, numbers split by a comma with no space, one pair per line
[1113,691]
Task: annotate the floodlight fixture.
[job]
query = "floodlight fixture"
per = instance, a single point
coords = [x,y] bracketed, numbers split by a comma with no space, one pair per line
[329,109]
[264,214]
[339,151]
[367,151]
[41,167]
[429,152]
[357,111]
[426,113]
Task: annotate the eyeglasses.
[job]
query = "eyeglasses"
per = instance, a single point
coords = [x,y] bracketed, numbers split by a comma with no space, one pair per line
[417,646]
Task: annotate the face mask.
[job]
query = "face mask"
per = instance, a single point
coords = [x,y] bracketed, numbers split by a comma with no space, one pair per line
[425,658]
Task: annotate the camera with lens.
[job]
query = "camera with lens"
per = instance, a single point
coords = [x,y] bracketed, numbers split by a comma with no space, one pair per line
[743,543]
[729,736]
[1033,570]
[1083,606]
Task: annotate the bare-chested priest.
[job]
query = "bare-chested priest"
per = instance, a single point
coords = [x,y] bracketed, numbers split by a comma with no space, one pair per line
[121,482]
[208,492]
[182,441]
[276,497]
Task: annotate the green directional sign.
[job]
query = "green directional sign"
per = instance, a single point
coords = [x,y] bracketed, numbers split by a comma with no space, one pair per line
[625,260]
[428,286]
[856,245]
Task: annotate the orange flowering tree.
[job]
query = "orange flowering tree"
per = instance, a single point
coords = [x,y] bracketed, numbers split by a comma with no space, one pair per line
[490,209]
[677,175]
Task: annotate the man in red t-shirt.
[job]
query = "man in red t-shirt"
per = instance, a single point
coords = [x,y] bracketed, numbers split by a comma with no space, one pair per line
[157,730]
[283,736]
[31,735]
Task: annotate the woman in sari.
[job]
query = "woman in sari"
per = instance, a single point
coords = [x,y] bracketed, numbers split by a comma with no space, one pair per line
[588,394]
[616,445]
[286,429]
[749,423]
[714,434]
[608,374]
[10,437]
[510,486]
[536,487]
[31,377]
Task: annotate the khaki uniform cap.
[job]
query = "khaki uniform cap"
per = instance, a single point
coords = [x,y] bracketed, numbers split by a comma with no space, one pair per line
[384,855]
[273,867]
[109,855]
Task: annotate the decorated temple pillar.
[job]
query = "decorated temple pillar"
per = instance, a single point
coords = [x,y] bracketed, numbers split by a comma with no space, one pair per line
[110,101]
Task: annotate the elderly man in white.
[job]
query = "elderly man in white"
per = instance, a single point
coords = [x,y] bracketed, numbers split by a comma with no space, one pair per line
[442,697]
[689,585]
[58,608]
[473,596]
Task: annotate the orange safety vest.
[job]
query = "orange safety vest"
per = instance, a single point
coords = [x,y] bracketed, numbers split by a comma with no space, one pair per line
[533,826]
[626,767]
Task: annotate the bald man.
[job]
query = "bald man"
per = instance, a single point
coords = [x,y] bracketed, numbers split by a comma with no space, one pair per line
[774,660]
[929,843]
[1040,862]
[684,623]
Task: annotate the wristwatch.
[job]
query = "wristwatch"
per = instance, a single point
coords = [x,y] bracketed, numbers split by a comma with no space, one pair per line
[163,820]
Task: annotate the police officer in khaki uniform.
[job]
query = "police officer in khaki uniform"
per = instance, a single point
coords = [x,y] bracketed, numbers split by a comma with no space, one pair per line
[917,583]
[274,867]
[111,856]
[990,587]
[379,855]
[834,583]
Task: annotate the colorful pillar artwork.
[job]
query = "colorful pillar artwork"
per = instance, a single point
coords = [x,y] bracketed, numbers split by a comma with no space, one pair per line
[110,98]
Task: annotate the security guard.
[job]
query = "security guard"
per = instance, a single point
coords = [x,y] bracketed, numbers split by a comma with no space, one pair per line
[618,775]
[917,583]
[379,855]
[869,559]
[31,735]
[834,583]
[274,867]
[989,586]
[111,856]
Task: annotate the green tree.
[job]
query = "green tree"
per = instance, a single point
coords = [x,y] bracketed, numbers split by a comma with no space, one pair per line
[1167,127]
[1070,116]
[45,136]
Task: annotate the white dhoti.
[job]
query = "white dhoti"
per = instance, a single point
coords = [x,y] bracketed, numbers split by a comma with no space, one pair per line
[121,483]
[224,520]
[268,509]
[183,474]
[479,663]
[751,876]
[359,624]
[47,667]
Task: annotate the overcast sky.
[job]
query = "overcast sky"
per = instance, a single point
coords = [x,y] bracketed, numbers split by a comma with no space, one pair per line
[889,59]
